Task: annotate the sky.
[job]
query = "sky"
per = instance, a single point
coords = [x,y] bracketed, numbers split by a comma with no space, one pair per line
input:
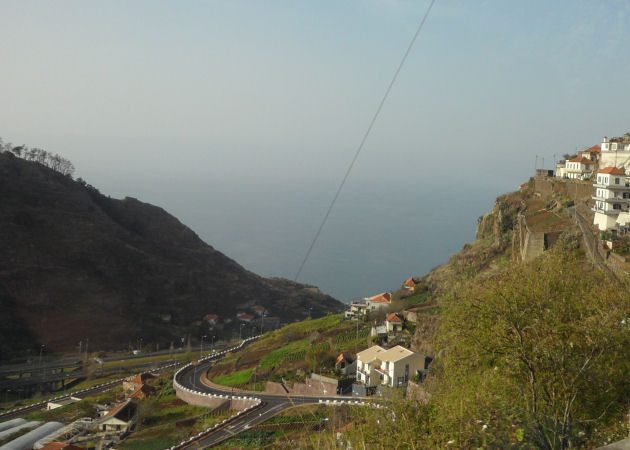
[241,117]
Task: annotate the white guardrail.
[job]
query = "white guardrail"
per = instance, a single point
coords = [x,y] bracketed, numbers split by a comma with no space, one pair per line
[80,391]
[213,428]
[120,380]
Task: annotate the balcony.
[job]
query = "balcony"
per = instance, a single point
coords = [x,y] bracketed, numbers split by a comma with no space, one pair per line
[612,186]
[611,199]
[610,212]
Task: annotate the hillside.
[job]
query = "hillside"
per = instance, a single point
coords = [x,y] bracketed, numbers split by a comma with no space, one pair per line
[78,265]
[529,353]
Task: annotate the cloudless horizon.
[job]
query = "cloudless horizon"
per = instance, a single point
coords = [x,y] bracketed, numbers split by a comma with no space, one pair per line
[241,117]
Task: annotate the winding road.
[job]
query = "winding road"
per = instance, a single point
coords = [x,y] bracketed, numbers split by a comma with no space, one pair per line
[272,404]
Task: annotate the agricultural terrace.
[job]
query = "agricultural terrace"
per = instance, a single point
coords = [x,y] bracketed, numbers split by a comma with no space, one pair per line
[291,353]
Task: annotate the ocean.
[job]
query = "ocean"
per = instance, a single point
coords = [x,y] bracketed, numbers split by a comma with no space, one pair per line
[376,237]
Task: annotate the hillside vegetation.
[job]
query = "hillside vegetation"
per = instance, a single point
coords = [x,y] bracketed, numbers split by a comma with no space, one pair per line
[78,265]
[527,354]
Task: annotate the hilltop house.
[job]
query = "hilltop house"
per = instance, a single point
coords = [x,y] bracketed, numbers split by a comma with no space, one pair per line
[211,319]
[591,153]
[378,302]
[247,318]
[612,196]
[579,168]
[561,169]
[410,284]
[615,152]
[357,309]
[259,310]
[394,323]
[393,367]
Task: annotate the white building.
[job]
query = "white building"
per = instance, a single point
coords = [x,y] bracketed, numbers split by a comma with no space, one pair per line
[380,301]
[394,323]
[357,310]
[561,169]
[612,196]
[393,367]
[615,152]
[591,153]
[579,168]
[367,362]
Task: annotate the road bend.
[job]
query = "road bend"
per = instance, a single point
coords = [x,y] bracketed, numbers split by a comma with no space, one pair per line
[272,404]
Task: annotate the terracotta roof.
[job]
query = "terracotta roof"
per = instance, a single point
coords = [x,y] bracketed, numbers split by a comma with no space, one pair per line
[247,316]
[120,408]
[612,171]
[258,308]
[594,149]
[59,445]
[210,317]
[142,391]
[342,357]
[393,317]
[140,379]
[582,160]
[385,297]
[410,282]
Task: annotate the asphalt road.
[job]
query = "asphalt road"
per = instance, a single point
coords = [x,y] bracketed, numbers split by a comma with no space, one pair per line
[272,405]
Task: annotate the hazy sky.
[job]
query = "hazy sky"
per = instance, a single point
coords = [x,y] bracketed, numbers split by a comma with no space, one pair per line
[206,99]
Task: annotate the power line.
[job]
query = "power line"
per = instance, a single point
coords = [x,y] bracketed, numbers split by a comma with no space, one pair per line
[365,136]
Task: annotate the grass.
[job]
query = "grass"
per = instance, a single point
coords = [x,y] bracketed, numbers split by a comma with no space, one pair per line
[416,299]
[234,379]
[275,358]
[151,359]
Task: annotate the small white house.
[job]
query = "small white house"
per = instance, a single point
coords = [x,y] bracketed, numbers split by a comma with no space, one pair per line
[357,309]
[380,301]
[579,168]
[612,196]
[561,169]
[393,367]
[394,323]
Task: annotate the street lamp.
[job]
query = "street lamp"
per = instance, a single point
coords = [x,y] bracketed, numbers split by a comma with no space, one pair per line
[201,350]
[262,318]
[240,332]
[213,342]
[41,349]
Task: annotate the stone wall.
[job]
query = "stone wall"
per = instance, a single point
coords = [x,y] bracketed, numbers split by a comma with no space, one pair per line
[576,190]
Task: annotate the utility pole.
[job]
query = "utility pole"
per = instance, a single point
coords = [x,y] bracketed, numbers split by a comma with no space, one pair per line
[536,165]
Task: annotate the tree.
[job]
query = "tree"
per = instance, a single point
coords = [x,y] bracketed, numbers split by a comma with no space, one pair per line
[538,348]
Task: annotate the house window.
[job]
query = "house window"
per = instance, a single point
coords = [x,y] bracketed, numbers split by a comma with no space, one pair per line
[616,206]
[616,180]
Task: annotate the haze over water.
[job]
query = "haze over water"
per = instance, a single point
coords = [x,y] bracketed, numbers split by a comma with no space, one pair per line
[240,117]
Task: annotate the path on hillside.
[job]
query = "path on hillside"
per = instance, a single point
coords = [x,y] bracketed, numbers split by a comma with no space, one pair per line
[591,242]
